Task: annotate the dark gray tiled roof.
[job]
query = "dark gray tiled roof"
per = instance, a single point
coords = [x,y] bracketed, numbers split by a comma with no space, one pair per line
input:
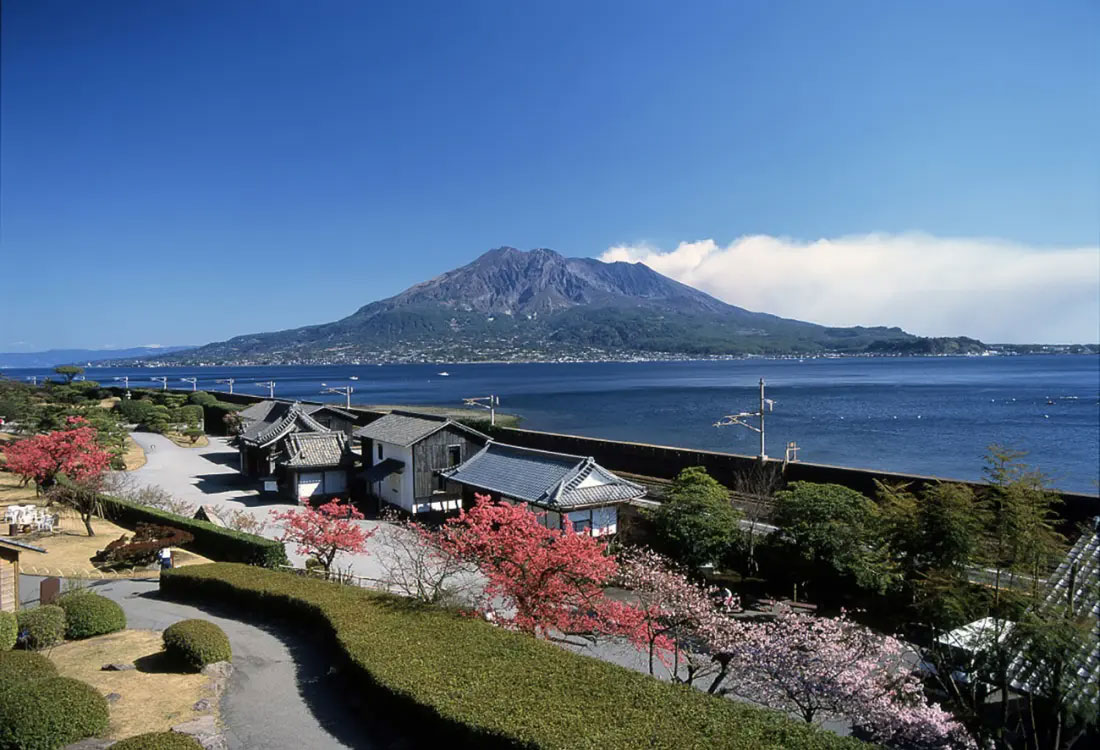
[406,428]
[1081,571]
[551,480]
[281,422]
[262,410]
[316,449]
[312,409]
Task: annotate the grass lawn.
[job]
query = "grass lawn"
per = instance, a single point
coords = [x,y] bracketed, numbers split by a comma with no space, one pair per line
[155,696]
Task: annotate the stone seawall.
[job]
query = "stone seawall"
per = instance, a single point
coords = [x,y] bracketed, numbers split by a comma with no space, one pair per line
[665,462]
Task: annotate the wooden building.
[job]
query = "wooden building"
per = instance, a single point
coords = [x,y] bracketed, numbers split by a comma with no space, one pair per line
[9,571]
[403,454]
[557,485]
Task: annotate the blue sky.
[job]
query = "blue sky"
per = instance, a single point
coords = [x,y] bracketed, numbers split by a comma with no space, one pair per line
[184,171]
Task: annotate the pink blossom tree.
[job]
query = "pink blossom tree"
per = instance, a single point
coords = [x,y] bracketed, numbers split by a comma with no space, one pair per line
[325,531]
[832,668]
[675,611]
[545,581]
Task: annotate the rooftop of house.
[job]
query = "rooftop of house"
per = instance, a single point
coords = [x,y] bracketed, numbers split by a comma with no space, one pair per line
[316,449]
[265,426]
[550,480]
[406,428]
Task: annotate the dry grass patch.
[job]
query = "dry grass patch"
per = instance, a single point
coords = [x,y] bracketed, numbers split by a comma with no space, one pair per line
[134,455]
[155,696]
[185,442]
[12,493]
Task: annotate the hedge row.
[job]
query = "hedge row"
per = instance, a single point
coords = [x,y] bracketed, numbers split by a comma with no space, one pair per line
[9,631]
[463,681]
[215,542]
[158,741]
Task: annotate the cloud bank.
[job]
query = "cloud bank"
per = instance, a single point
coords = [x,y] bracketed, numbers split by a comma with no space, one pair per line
[932,286]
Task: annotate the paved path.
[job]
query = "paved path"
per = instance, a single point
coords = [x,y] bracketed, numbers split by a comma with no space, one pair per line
[280,697]
[209,476]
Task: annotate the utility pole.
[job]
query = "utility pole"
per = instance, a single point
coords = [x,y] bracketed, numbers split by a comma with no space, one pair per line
[344,390]
[739,419]
[125,384]
[193,381]
[491,403]
[227,380]
[270,387]
[33,379]
[163,382]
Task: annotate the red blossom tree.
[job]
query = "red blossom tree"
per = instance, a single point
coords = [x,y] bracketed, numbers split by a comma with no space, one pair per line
[72,452]
[539,580]
[325,531]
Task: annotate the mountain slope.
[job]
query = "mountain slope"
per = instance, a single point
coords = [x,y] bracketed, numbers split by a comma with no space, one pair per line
[515,305]
[54,357]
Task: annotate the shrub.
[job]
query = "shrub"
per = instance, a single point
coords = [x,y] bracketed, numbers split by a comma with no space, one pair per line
[142,549]
[51,713]
[211,541]
[88,614]
[202,398]
[21,666]
[9,631]
[158,741]
[41,627]
[463,681]
[197,643]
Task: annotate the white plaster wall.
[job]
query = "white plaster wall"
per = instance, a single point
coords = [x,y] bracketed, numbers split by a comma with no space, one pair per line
[403,482]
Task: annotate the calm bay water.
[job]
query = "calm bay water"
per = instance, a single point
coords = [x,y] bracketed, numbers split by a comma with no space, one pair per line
[931,415]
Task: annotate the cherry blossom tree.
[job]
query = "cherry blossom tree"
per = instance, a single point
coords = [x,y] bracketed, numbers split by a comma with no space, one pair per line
[325,531]
[73,452]
[675,612]
[416,564]
[540,581]
[832,668]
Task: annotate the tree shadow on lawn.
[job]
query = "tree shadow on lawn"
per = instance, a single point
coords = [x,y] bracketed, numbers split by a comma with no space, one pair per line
[335,704]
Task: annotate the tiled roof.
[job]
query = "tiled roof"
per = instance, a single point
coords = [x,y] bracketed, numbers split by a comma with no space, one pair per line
[1073,589]
[280,423]
[260,411]
[309,449]
[312,409]
[406,428]
[551,480]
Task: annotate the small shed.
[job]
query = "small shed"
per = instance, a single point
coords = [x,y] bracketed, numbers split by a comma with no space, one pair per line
[9,572]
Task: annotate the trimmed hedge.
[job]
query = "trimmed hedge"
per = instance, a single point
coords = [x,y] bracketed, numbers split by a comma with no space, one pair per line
[51,713]
[88,614]
[197,643]
[41,627]
[211,541]
[158,741]
[9,631]
[464,682]
[21,666]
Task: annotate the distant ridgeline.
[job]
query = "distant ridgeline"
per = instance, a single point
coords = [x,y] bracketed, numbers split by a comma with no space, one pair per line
[510,305]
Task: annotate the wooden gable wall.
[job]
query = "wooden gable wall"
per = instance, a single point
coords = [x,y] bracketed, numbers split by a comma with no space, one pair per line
[430,455]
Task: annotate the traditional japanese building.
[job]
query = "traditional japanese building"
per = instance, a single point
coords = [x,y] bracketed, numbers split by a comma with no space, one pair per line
[289,448]
[557,485]
[403,454]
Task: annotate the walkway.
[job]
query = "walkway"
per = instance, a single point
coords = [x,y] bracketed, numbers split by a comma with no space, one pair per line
[281,695]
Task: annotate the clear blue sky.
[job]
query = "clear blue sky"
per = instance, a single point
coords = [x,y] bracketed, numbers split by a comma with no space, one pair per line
[181,171]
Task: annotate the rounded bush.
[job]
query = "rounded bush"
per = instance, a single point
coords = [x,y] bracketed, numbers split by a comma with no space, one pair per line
[158,741]
[88,614]
[51,713]
[21,666]
[197,643]
[9,631]
[41,627]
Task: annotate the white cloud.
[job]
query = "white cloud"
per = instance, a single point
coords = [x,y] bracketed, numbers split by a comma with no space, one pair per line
[932,286]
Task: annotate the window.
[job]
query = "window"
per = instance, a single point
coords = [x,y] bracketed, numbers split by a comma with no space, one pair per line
[379,451]
[454,455]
